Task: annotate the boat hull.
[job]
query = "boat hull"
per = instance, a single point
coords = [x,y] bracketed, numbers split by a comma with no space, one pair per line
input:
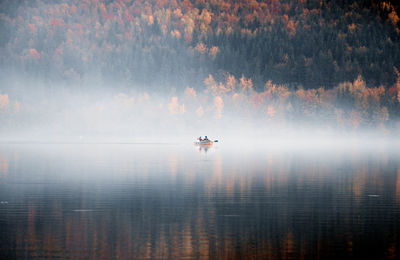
[202,143]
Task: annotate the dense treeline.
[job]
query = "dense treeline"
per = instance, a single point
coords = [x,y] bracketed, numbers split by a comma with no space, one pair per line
[171,43]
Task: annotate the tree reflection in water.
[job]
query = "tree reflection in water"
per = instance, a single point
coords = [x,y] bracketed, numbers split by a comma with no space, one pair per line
[126,201]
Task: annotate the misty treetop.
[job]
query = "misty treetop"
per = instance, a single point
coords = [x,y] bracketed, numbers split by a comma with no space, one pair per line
[229,104]
[163,44]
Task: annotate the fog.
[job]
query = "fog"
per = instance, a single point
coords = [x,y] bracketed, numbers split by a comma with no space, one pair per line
[35,111]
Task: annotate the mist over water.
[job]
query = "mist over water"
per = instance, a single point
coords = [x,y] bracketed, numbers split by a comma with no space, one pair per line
[40,113]
[178,200]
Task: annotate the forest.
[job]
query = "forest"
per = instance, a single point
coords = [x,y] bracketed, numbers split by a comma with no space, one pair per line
[330,59]
[173,43]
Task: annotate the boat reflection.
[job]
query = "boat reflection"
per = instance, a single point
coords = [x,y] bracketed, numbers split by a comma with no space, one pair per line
[204,148]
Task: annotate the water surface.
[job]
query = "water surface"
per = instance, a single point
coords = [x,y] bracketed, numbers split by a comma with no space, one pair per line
[174,200]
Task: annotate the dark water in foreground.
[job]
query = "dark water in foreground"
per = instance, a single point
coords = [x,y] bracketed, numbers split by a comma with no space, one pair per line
[109,201]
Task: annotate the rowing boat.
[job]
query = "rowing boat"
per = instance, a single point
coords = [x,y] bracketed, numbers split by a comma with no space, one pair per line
[204,143]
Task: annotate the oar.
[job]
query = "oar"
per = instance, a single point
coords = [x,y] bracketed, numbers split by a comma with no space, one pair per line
[215,141]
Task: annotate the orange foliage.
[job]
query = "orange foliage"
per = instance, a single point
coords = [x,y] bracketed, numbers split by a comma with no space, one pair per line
[200,111]
[34,54]
[219,105]
[355,119]
[352,27]
[73,9]
[245,84]
[190,92]
[176,34]
[213,51]
[4,101]
[174,107]
[32,28]
[301,94]
[222,89]
[392,91]
[205,16]
[128,19]
[103,8]
[201,47]
[210,83]
[57,22]
[271,111]
[291,28]
[128,16]
[394,18]
[231,82]
[17,106]
[381,115]
[257,100]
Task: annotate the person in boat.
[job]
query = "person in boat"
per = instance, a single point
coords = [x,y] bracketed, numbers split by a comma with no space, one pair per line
[205,138]
[200,139]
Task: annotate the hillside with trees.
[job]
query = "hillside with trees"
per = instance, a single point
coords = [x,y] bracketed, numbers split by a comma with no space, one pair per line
[327,60]
[178,43]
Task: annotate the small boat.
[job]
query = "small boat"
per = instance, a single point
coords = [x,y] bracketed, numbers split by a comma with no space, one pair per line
[204,142]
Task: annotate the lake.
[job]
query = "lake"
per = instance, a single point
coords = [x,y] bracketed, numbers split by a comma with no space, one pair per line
[176,200]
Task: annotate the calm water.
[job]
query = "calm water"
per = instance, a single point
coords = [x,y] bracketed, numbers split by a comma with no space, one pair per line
[108,201]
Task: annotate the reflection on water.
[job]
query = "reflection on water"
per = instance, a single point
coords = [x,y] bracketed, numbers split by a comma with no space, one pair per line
[169,201]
